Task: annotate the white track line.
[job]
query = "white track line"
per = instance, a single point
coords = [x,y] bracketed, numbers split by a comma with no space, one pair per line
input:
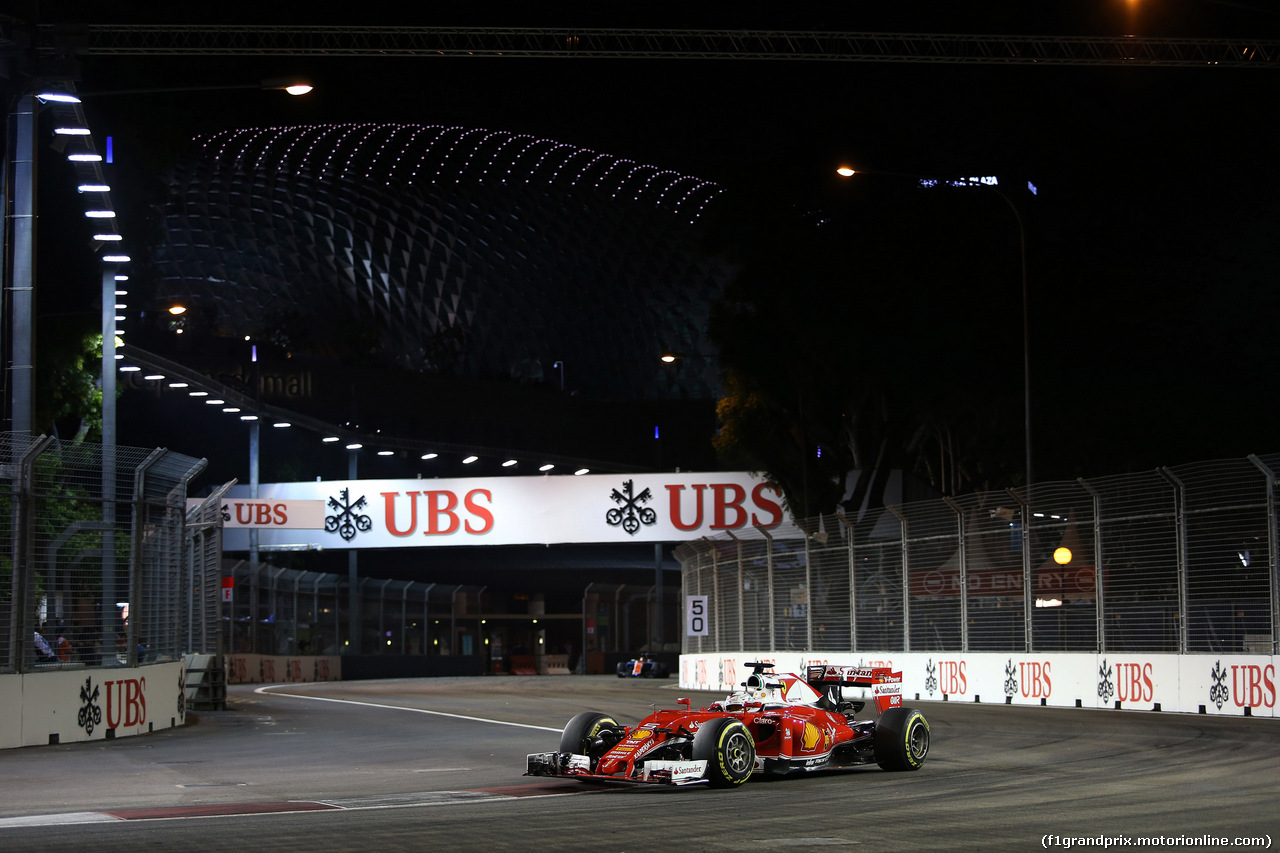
[275,690]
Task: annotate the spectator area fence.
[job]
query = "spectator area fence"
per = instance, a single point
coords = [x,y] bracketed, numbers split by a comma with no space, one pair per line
[95,568]
[1179,560]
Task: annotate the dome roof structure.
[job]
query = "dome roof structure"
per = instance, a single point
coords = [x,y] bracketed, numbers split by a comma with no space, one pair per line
[436,249]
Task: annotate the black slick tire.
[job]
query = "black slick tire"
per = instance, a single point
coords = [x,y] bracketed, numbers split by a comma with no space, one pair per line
[729,750]
[901,739]
[582,730]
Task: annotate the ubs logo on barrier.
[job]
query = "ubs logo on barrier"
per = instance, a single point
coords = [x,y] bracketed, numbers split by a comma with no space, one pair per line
[1252,685]
[953,677]
[930,677]
[1105,688]
[90,715]
[1010,678]
[126,702]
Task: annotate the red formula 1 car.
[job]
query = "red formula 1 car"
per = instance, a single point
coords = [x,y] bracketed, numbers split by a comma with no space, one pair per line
[776,724]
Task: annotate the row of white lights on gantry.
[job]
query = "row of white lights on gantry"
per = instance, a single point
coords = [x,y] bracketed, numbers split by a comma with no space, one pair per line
[231,408]
[93,185]
[72,128]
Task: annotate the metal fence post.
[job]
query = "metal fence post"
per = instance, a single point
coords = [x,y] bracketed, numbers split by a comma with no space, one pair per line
[1099,603]
[742,605]
[24,533]
[715,593]
[136,620]
[769,599]
[906,586]
[1273,572]
[1180,543]
[853,584]
[961,551]
[1024,509]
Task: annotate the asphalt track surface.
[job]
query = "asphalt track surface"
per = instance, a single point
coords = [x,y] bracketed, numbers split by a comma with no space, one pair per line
[436,764]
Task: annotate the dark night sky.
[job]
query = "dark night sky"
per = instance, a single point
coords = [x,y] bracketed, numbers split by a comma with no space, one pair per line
[1152,242]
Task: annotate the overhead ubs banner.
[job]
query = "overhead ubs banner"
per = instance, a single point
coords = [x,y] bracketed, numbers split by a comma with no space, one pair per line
[593,508]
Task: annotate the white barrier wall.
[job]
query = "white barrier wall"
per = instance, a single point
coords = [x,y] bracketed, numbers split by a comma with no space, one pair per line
[66,706]
[1235,685]
[277,669]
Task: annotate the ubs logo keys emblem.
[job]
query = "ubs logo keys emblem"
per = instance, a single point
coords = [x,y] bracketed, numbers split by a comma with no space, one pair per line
[630,513]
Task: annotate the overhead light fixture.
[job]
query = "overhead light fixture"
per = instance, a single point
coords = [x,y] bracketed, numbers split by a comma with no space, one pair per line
[581,471]
[469,460]
[93,188]
[107,238]
[329,439]
[386,453]
[248,417]
[100,214]
[154,377]
[85,157]
[508,463]
[129,368]
[58,98]
[430,455]
[115,259]
[292,85]
[71,131]
[175,310]
[354,446]
[178,385]
[231,410]
[546,467]
[211,401]
[281,424]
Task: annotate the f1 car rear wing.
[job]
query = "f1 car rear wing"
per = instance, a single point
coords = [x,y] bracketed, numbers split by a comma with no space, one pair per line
[885,684]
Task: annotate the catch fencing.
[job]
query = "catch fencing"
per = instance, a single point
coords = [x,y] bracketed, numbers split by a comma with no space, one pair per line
[1177,560]
[95,568]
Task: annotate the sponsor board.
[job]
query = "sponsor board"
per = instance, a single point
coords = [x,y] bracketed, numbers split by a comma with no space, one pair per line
[593,508]
[72,705]
[282,669]
[1211,684]
[259,514]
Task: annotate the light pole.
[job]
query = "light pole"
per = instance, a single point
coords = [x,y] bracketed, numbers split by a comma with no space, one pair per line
[20,185]
[848,172]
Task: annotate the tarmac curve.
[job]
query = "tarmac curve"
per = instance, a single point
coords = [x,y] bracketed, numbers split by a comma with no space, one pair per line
[419,763]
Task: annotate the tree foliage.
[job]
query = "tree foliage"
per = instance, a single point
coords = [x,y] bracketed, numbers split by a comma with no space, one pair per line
[861,343]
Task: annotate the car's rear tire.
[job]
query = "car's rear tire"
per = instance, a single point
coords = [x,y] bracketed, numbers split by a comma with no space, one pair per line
[581,732]
[901,739]
[729,750]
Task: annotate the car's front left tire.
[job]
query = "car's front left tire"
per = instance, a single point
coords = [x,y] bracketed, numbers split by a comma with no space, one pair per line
[725,743]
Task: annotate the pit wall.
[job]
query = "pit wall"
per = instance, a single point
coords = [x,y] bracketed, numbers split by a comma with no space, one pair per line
[72,705]
[1222,685]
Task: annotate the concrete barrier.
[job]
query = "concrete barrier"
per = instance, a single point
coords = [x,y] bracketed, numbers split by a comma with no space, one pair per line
[1234,685]
[278,669]
[78,704]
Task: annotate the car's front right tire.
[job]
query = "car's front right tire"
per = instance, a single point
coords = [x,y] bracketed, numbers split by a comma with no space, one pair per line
[581,732]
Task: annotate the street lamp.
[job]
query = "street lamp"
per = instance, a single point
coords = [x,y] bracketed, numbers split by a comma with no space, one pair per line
[20,171]
[846,171]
